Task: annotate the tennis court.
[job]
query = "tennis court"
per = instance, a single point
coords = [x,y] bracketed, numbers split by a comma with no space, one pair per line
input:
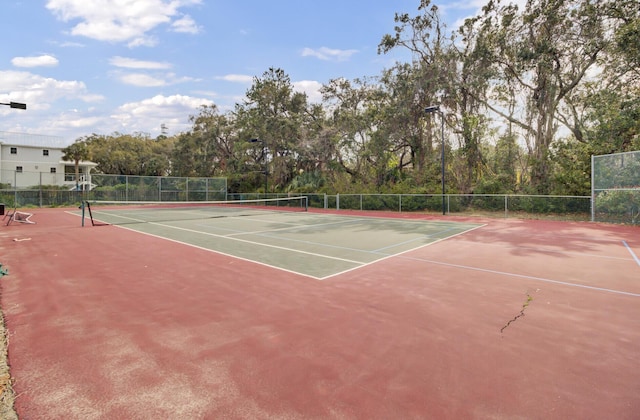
[314,245]
[212,316]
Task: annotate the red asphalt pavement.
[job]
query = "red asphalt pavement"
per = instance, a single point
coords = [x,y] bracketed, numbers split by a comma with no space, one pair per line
[105,323]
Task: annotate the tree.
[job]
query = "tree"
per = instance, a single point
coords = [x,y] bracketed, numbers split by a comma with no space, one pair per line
[280,118]
[76,152]
[443,75]
[209,148]
[352,123]
[130,154]
[544,54]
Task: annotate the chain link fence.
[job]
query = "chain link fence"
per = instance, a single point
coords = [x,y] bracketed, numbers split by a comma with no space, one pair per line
[490,205]
[56,190]
[615,188]
[157,188]
[615,194]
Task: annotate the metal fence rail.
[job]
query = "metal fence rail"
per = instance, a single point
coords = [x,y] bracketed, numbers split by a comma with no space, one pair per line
[503,205]
[181,189]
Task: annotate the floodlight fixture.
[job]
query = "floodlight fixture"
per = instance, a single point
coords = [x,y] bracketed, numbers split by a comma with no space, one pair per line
[432,109]
[16,105]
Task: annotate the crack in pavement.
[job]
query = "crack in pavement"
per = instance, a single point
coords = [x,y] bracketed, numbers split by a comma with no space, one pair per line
[520,315]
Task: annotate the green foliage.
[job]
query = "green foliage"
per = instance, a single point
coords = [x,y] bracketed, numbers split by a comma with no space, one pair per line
[307,182]
[509,83]
[618,206]
[572,171]
[129,154]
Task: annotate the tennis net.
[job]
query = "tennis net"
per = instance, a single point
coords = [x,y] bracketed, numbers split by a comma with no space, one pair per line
[102,212]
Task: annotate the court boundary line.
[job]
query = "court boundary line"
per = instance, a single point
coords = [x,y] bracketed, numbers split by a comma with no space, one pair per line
[633,254]
[401,254]
[294,226]
[253,242]
[553,251]
[216,252]
[358,263]
[523,276]
[378,251]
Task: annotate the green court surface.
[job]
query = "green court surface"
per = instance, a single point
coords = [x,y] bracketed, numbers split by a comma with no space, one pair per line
[311,244]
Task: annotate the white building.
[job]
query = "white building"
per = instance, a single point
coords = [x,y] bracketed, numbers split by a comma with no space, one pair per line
[28,160]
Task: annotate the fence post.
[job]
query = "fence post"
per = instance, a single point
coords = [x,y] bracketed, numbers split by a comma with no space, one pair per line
[338,201]
[593,193]
[506,206]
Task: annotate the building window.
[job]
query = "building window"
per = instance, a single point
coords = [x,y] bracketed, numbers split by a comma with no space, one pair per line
[14,150]
[69,173]
[18,168]
[53,170]
[45,152]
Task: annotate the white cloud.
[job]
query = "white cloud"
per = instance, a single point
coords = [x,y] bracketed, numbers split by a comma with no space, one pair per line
[186,25]
[143,41]
[38,61]
[236,78]
[311,88]
[132,63]
[68,44]
[142,80]
[328,54]
[209,93]
[151,113]
[120,20]
[146,80]
[39,92]
[475,8]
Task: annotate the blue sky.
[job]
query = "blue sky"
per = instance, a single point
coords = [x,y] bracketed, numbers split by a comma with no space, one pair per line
[105,66]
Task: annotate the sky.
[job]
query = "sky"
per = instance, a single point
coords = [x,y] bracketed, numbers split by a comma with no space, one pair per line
[146,66]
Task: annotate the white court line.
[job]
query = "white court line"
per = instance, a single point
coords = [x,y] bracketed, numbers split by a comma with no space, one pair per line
[295,226]
[400,254]
[552,251]
[635,257]
[258,243]
[359,263]
[416,239]
[523,276]
[379,251]
[217,252]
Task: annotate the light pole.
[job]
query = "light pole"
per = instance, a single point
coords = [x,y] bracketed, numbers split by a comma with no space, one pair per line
[431,110]
[16,105]
[264,157]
